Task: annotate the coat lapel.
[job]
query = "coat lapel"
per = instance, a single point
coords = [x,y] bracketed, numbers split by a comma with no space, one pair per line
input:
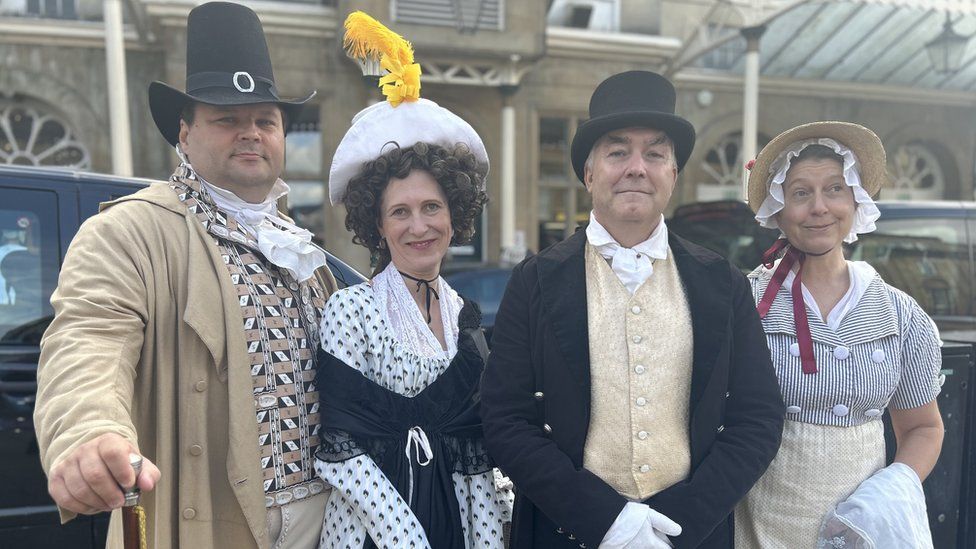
[562,282]
[215,315]
[708,288]
[203,285]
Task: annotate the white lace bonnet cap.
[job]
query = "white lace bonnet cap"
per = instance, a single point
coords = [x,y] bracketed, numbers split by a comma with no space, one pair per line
[380,126]
[864,170]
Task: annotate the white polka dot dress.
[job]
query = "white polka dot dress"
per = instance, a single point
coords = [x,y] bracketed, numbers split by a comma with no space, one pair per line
[378,330]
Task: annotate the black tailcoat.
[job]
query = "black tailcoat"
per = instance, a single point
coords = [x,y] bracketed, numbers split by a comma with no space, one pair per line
[536,402]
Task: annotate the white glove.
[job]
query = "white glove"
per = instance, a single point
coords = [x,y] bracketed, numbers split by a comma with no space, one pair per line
[640,527]
[886,511]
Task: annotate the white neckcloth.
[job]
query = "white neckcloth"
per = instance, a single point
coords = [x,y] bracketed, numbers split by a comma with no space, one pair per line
[408,322]
[860,273]
[281,242]
[633,266]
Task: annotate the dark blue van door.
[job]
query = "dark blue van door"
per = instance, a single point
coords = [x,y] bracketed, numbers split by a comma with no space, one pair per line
[35,228]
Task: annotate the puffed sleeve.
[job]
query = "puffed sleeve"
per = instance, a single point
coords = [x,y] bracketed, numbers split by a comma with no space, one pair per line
[921,358]
[341,331]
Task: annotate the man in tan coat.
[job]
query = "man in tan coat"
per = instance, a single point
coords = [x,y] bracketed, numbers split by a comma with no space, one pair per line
[186,323]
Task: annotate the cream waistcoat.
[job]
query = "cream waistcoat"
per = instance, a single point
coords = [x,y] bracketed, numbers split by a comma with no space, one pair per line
[640,379]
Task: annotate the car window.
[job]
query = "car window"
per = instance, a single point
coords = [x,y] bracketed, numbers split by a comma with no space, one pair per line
[726,228]
[29,256]
[484,287]
[344,274]
[928,258]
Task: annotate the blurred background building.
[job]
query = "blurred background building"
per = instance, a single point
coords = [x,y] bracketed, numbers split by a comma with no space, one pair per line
[521,72]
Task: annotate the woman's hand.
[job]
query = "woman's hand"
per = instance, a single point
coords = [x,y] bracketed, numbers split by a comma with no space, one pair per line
[919,432]
[836,533]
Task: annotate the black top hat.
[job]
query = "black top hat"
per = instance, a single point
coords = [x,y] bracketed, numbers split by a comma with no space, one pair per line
[227,63]
[627,100]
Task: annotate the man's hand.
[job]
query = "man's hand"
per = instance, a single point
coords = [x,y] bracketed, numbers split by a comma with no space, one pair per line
[640,527]
[654,532]
[90,478]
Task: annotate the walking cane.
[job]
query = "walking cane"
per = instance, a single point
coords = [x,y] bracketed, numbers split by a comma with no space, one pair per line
[133,514]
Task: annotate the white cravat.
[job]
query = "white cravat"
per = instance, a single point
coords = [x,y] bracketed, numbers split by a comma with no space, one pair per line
[284,244]
[633,266]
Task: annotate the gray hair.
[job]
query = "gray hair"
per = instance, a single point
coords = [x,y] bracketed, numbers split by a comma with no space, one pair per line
[672,159]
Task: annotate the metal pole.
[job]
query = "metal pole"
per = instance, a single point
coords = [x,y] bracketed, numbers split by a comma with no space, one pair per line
[118,96]
[507,191]
[750,100]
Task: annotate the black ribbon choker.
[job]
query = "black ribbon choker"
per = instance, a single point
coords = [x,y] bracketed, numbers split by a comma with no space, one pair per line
[425,283]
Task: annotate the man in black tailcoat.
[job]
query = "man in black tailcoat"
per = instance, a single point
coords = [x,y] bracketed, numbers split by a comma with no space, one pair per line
[629,394]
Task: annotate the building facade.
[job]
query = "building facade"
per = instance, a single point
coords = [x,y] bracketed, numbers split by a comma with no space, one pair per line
[521,72]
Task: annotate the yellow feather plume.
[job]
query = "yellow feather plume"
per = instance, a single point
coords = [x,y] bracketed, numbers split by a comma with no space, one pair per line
[367,38]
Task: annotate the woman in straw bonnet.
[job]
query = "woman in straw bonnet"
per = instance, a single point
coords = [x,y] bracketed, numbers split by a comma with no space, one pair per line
[402,354]
[846,346]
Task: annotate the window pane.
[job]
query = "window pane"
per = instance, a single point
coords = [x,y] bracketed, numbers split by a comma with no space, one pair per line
[929,260]
[303,144]
[305,206]
[553,147]
[552,216]
[28,265]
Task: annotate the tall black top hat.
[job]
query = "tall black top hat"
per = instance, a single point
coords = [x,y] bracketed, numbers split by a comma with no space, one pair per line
[227,63]
[627,100]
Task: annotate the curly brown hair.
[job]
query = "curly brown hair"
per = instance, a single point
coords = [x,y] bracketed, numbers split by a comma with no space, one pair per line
[455,169]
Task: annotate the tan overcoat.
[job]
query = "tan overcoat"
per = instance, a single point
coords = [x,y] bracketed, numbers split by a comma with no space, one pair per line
[147,342]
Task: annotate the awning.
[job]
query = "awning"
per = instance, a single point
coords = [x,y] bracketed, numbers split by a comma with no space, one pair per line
[875,42]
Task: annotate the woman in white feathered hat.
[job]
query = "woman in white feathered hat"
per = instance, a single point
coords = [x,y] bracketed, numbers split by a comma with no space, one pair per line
[846,346]
[402,355]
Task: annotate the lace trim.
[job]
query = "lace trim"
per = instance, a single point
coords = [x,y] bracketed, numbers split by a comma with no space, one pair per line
[406,320]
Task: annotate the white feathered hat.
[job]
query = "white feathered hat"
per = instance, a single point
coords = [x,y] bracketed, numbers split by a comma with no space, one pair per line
[404,119]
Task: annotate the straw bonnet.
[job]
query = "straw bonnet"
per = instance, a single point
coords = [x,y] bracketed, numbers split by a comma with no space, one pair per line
[864,143]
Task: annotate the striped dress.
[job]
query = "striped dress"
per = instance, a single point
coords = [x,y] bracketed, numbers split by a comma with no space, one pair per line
[882,350]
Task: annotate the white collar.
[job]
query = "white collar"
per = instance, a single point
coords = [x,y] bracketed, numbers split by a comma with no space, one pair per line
[861,274]
[283,243]
[234,205]
[656,246]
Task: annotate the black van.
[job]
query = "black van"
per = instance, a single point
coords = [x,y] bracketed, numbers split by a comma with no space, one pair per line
[40,211]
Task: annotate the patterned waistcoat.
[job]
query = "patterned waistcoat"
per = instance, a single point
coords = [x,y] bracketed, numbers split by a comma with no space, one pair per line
[281,319]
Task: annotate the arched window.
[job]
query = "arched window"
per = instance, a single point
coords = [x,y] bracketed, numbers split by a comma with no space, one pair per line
[723,167]
[30,137]
[916,174]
